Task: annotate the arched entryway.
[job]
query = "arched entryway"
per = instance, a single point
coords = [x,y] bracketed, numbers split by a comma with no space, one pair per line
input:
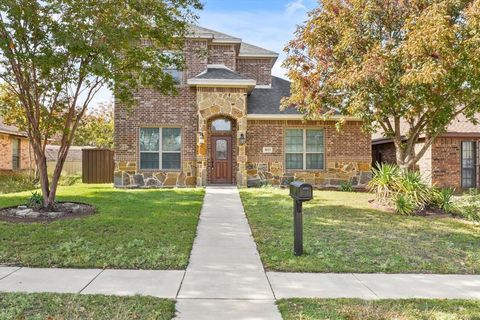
[222,151]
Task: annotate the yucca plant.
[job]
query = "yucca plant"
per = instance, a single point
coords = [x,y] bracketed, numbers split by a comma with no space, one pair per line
[411,184]
[404,205]
[384,181]
[443,199]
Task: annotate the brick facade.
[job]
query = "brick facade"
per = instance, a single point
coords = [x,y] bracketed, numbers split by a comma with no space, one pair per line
[6,141]
[446,161]
[441,164]
[258,69]
[223,54]
[383,153]
[347,156]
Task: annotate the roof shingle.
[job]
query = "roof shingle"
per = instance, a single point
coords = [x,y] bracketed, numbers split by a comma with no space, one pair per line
[267,100]
[4,128]
[220,73]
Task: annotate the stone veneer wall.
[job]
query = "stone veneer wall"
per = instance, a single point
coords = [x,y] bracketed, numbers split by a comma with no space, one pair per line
[213,103]
[348,154]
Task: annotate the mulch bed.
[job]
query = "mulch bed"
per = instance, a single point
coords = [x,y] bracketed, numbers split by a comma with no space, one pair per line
[427,212]
[84,211]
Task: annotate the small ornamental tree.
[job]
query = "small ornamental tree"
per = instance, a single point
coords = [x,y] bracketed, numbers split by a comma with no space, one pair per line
[96,128]
[395,63]
[55,55]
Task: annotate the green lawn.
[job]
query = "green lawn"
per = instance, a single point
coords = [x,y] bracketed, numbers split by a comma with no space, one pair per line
[139,229]
[40,306]
[346,309]
[342,233]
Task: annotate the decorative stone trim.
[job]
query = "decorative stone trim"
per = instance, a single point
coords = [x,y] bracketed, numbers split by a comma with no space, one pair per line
[272,173]
[213,103]
[126,176]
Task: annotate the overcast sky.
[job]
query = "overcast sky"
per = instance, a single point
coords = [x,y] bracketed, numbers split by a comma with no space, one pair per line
[266,23]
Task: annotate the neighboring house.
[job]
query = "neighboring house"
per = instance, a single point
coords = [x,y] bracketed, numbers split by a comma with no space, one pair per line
[225,127]
[452,160]
[73,162]
[15,152]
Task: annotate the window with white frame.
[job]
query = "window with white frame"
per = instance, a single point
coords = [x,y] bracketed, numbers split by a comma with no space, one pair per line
[160,148]
[304,149]
[172,69]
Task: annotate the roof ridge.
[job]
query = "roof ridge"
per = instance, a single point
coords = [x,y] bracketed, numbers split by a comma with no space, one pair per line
[213,32]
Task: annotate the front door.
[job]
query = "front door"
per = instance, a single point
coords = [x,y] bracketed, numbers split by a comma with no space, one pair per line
[221,172]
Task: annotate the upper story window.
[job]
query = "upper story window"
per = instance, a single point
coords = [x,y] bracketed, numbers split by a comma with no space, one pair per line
[173,70]
[222,125]
[160,148]
[304,149]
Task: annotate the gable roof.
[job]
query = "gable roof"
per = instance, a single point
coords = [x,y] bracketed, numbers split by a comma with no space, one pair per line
[8,129]
[196,31]
[246,49]
[267,100]
[459,126]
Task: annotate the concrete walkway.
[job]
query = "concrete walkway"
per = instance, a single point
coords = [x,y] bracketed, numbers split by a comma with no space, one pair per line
[225,278]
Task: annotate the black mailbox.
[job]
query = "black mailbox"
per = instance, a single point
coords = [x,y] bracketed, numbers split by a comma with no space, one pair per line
[301,191]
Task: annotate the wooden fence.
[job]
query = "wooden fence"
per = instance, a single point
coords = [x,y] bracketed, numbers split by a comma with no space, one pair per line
[97,166]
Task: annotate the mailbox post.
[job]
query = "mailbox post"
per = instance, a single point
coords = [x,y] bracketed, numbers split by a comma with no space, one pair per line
[299,192]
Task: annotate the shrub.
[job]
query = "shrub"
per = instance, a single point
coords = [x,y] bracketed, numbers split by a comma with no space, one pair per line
[411,184]
[384,181]
[468,206]
[35,201]
[15,182]
[404,190]
[443,199]
[404,204]
[346,186]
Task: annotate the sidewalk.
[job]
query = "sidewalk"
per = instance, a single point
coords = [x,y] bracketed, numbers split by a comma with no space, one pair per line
[225,278]
[166,284]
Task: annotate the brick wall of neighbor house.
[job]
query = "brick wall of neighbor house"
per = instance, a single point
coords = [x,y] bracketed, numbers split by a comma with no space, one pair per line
[384,153]
[26,158]
[6,152]
[348,154]
[155,110]
[258,69]
[446,161]
[223,54]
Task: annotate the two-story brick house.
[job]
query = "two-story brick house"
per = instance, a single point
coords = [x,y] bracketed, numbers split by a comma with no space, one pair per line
[225,127]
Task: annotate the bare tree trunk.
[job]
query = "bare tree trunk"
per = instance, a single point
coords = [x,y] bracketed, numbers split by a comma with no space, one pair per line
[44,181]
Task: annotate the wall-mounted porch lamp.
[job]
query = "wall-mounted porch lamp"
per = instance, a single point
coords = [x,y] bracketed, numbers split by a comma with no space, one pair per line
[201,138]
[242,139]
